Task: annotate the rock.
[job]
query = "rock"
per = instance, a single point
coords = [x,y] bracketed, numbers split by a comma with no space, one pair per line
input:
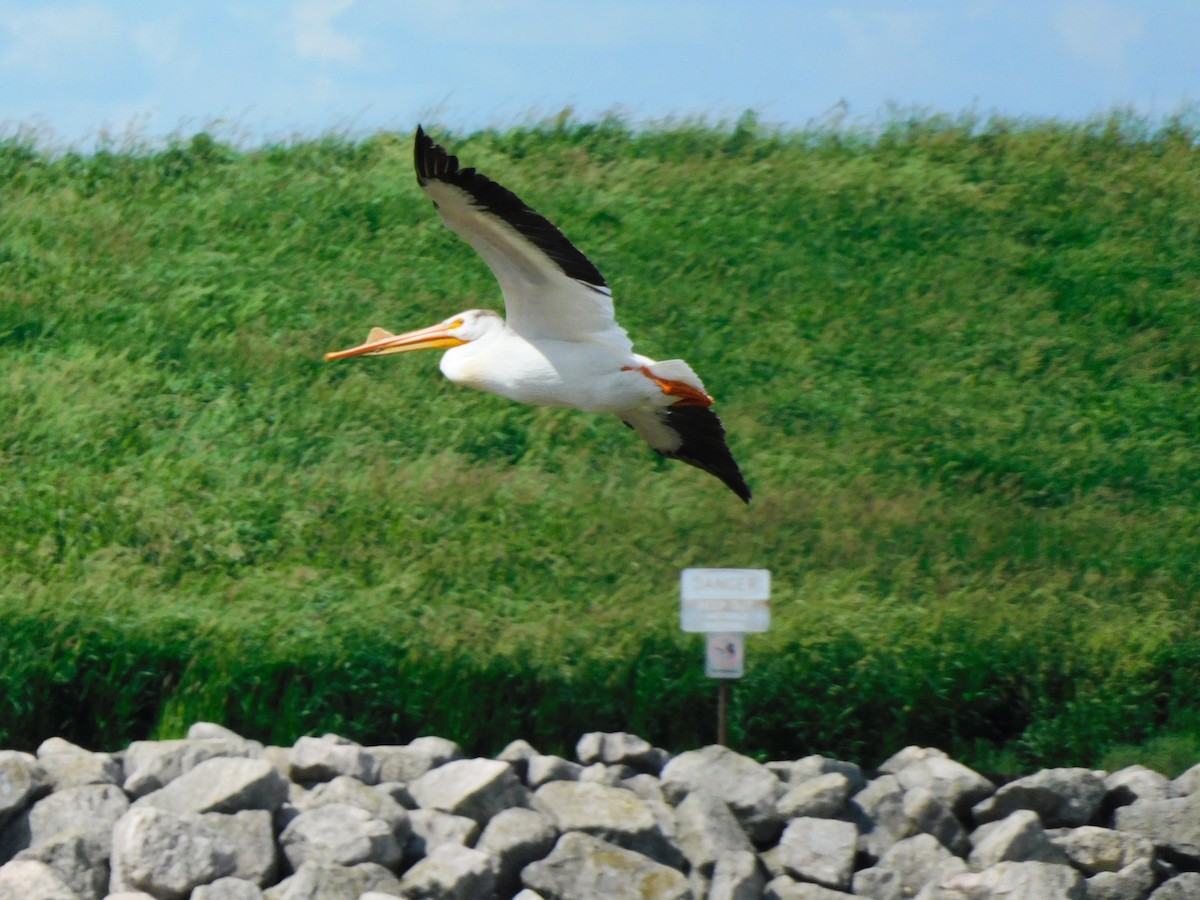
[517,754]
[616,815]
[878,811]
[327,881]
[1018,838]
[619,748]
[228,889]
[211,731]
[431,828]
[151,765]
[22,780]
[410,761]
[706,831]
[32,880]
[92,809]
[1045,881]
[650,790]
[1091,849]
[957,787]
[540,770]
[251,833]
[1181,887]
[222,784]
[513,839]
[167,854]
[76,859]
[1133,882]
[794,772]
[819,850]
[322,759]
[475,788]
[909,756]
[583,867]
[929,815]
[737,876]
[599,773]
[1187,783]
[340,834]
[1060,797]
[906,867]
[450,872]
[1173,826]
[352,792]
[1134,783]
[70,766]
[750,788]
[784,888]
[821,797]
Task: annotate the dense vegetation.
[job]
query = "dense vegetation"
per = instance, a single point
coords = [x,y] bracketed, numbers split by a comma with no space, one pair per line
[958,360]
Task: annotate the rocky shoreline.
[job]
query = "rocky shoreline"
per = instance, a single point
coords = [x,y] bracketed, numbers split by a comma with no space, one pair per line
[218,817]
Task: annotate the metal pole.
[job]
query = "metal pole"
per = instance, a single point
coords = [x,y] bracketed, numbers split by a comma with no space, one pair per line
[723,712]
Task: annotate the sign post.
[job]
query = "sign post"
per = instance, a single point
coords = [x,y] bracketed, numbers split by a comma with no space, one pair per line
[724,604]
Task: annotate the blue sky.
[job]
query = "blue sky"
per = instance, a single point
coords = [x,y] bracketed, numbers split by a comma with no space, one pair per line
[78,72]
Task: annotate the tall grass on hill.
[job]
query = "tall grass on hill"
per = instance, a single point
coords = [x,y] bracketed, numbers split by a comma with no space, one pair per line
[957,359]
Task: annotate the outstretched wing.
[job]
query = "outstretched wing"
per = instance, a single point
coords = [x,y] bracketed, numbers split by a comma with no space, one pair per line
[691,434]
[551,290]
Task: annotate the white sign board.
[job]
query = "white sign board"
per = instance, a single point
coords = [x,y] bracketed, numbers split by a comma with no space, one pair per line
[725,655]
[715,600]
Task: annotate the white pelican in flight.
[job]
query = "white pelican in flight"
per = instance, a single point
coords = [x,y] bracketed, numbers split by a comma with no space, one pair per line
[561,344]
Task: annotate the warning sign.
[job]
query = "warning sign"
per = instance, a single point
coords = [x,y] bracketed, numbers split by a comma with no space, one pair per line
[725,655]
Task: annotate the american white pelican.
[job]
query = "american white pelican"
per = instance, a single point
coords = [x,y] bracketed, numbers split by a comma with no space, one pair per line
[561,345]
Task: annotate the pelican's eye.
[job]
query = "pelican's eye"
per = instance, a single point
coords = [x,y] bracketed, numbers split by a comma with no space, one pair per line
[457,323]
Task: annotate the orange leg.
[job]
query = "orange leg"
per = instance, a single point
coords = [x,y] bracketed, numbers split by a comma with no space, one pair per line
[688,395]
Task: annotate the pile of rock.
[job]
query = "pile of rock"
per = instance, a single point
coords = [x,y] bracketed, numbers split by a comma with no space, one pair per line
[219,817]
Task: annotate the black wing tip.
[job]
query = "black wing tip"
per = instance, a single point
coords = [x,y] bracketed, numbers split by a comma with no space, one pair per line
[703,446]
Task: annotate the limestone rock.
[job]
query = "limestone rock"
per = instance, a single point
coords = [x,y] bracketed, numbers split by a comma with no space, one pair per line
[707,831]
[76,859]
[541,769]
[1011,880]
[251,833]
[328,881]
[798,771]
[750,788]
[512,840]
[819,850]
[92,809]
[1134,783]
[410,761]
[222,784]
[737,876]
[22,780]
[616,815]
[316,759]
[1173,826]
[1060,797]
[821,797]
[352,792]
[430,828]
[956,786]
[228,889]
[32,880]
[1133,882]
[1019,837]
[475,788]
[69,765]
[620,748]
[583,867]
[1092,849]
[167,854]
[1181,887]
[906,867]
[151,765]
[450,872]
[340,834]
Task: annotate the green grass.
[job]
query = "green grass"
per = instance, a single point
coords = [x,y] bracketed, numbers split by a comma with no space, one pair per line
[957,359]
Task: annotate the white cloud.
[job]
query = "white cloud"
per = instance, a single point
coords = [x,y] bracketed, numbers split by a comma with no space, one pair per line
[52,40]
[316,35]
[1098,34]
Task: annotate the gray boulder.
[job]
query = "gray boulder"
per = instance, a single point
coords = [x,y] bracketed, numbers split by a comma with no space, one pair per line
[513,839]
[32,880]
[783,887]
[706,831]
[69,765]
[1133,882]
[352,792]
[929,815]
[541,770]
[797,771]
[167,854]
[1134,783]
[1173,826]
[737,876]
[954,785]
[22,780]
[222,784]
[620,748]
[821,797]
[819,850]
[329,881]
[750,788]
[1019,837]
[228,889]
[1092,849]
[1044,881]
[430,828]
[339,834]
[408,762]
[616,815]
[251,833]
[583,867]
[92,809]
[475,788]
[878,811]
[906,867]
[1181,887]
[517,754]
[151,765]
[909,756]
[316,759]
[450,872]
[76,859]
[1187,783]
[1060,797]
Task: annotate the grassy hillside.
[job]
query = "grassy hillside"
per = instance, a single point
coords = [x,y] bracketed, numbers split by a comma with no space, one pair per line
[958,362]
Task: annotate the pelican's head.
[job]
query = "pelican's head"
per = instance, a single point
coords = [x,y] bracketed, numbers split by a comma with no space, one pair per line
[454,332]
